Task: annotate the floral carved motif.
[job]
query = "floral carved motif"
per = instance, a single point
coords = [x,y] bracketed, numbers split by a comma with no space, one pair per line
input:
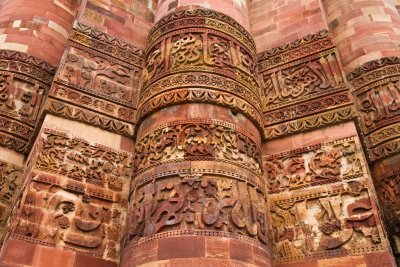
[198,140]
[76,196]
[181,57]
[326,163]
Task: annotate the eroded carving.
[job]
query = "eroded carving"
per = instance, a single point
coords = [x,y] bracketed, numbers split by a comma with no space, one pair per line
[326,163]
[328,221]
[76,197]
[198,140]
[196,201]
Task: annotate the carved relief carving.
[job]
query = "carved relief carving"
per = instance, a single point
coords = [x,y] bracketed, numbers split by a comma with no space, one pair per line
[209,57]
[388,188]
[93,118]
[299,81]
[311,43]
[76,197]
[98,81]
[322,164]
[96,88]
[207,203]
[10,183]
[327,221]
[377,96]
[303,124]
[198,140]
[201,18]
[23,82]
[100,75]
[85,36]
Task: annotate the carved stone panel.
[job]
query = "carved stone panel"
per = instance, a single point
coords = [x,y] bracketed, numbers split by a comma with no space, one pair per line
[316,165]
[76,196]
[198,139]
[322,203]
[327,221]
[24,80]
[377,95]
[197,203]
[10,185]
[300,81]
[95,85]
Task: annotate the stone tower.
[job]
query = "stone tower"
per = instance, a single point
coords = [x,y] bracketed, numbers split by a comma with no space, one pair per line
[199,132]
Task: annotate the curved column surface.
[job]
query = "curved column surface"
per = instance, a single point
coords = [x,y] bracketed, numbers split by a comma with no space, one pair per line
[363,30]
[197,194]
[367,34]
[237,9]
[39,28]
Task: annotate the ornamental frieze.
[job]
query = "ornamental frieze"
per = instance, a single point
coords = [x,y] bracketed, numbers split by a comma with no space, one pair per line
[316,165]
[388,189]
[376,89]
[96,87]
[77,196]
[329,221]
[307,45]
[195,140]
[300,81]
[85,36]
[201,18]
[200,50]
[199,204]
[190,95]
[311,122]
[24,80]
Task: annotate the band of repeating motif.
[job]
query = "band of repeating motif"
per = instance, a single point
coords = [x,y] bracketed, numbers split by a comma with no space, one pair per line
[24,81]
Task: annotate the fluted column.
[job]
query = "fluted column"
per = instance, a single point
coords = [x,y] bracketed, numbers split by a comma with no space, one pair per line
[367,34]
[197,196]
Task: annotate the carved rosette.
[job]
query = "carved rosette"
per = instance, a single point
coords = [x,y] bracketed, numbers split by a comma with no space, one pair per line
[200,56]
[98,81]
[76,196]
[322,203]
[24,81]
[302,86]
[376,87]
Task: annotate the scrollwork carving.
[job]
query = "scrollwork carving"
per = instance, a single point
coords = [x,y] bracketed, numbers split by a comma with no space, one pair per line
[328,221]
[199,140]
[181,57]
[76,197]
[377,96]
[195,201]
[327,163]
